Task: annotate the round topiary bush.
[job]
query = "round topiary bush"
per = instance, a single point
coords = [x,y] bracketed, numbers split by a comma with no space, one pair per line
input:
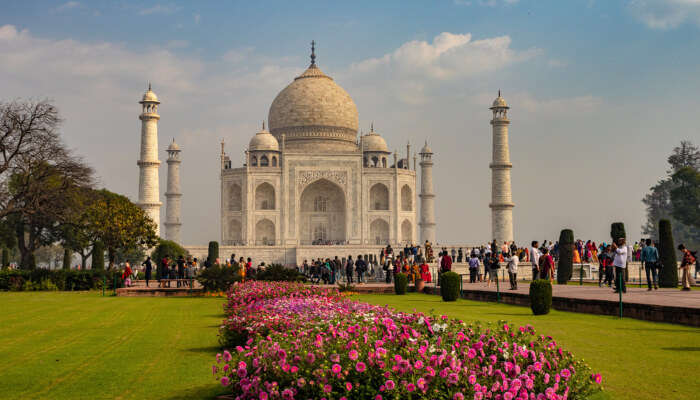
[449,288]
[400,283]
[566,256]
[540,296]
[668,276]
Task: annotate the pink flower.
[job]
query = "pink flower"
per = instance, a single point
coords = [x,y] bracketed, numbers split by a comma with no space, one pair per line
[227,356]
[471,354]
[353,354]
[472,379]
[360,367]
[263,396]
[597,378]
[411,387]
[348,386]
[389,385]
[310,358]
[418,364]
[287,394]
[225,381]
[538,366]
[378,397]
[336,368]
[458,396]
[327,388]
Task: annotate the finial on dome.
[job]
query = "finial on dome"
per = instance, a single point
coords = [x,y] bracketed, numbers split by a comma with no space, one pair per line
[499,92]
[149,85]
[313,52]
[371,126]
[263,125]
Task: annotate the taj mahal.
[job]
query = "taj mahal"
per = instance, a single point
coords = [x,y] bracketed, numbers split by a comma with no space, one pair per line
[312,185]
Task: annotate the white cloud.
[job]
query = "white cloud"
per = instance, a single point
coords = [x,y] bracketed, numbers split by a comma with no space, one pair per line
[68,5]
[665,14]
[160,9]
[449,56]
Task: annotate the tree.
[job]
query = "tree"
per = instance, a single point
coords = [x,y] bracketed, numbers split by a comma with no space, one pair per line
[667,253]
[658,200]
[28,134]
[685,197]
[119,224]
[566,256]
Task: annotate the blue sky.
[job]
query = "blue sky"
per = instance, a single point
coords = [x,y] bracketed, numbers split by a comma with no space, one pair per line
[601,91]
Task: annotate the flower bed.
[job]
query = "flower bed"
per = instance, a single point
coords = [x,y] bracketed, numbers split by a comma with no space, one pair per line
[299,342]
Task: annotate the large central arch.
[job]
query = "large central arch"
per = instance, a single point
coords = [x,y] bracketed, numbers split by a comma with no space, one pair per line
[322,210]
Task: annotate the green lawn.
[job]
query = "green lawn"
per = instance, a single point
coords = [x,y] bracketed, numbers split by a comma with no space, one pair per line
[62,345]
[638,359]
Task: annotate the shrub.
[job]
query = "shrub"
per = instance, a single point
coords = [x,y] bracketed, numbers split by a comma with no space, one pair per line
[540,296]
[219,278]
[166,248]
[5,257]
[68,280]
[617,230]
[566,256]
[400,283]
[213,252]
[450,286]
[98,256]
[345,287]
[668,277]
[278,272]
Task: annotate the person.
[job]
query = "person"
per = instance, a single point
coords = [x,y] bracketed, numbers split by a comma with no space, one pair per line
[453,253]
[126,275]
[604,263]
[688,260]
[349,269]
[148,267]
[180,269]
[535,259]
[388,269]
[425,271]
[360,268]
[473,268]
[493,266]
[546,265]
[650,258]
[513,271]
[164,270]
[620,263]
[445,262]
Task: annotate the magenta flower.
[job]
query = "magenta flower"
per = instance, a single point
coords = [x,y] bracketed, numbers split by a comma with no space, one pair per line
[360,367]
[336,368]
[458,396]
[389,385]
[411,387]
[378,397]
[263,396]
[348,386]
[227,356]
[327,388]
[225,381]
[353,354]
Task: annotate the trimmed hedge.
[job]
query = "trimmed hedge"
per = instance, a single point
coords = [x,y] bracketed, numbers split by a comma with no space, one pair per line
[98,256]
[565,267]
[213,252]
[540,296]
[449,286]
[668,276]
[400,283]
[68,280]
[617,230]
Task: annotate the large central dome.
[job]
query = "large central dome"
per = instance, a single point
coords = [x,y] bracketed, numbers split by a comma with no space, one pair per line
[314,113]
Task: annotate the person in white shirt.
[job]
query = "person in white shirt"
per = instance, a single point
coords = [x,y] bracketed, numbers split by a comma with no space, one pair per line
[620,263]
[535,259]
[513,271]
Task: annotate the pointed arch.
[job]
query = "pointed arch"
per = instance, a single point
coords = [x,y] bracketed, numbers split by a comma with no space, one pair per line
[379,197]
[265,197]
[406,198]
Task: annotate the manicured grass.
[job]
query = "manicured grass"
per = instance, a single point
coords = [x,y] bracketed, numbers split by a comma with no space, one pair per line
[62,345]
[638,359]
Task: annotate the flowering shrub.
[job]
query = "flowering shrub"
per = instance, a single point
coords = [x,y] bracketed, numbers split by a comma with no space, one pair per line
[310,343]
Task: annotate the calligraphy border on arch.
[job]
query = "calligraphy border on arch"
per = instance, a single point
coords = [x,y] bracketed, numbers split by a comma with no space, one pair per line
[307,177]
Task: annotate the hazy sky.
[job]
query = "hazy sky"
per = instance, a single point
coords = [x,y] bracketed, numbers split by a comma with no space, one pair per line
[600,92]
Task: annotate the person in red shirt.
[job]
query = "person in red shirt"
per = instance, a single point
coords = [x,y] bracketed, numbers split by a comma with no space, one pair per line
[446,262]
[688,260]
[546,265]
[425,272]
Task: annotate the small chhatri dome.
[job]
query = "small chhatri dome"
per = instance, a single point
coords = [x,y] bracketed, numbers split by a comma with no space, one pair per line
[173,146]
[150,96]
[500,101]
[374,142]
[426,149]
[263,141]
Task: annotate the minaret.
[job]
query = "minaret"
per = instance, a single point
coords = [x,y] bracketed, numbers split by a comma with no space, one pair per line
[501,197]
[148,163]
[173,195]
[427,197]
